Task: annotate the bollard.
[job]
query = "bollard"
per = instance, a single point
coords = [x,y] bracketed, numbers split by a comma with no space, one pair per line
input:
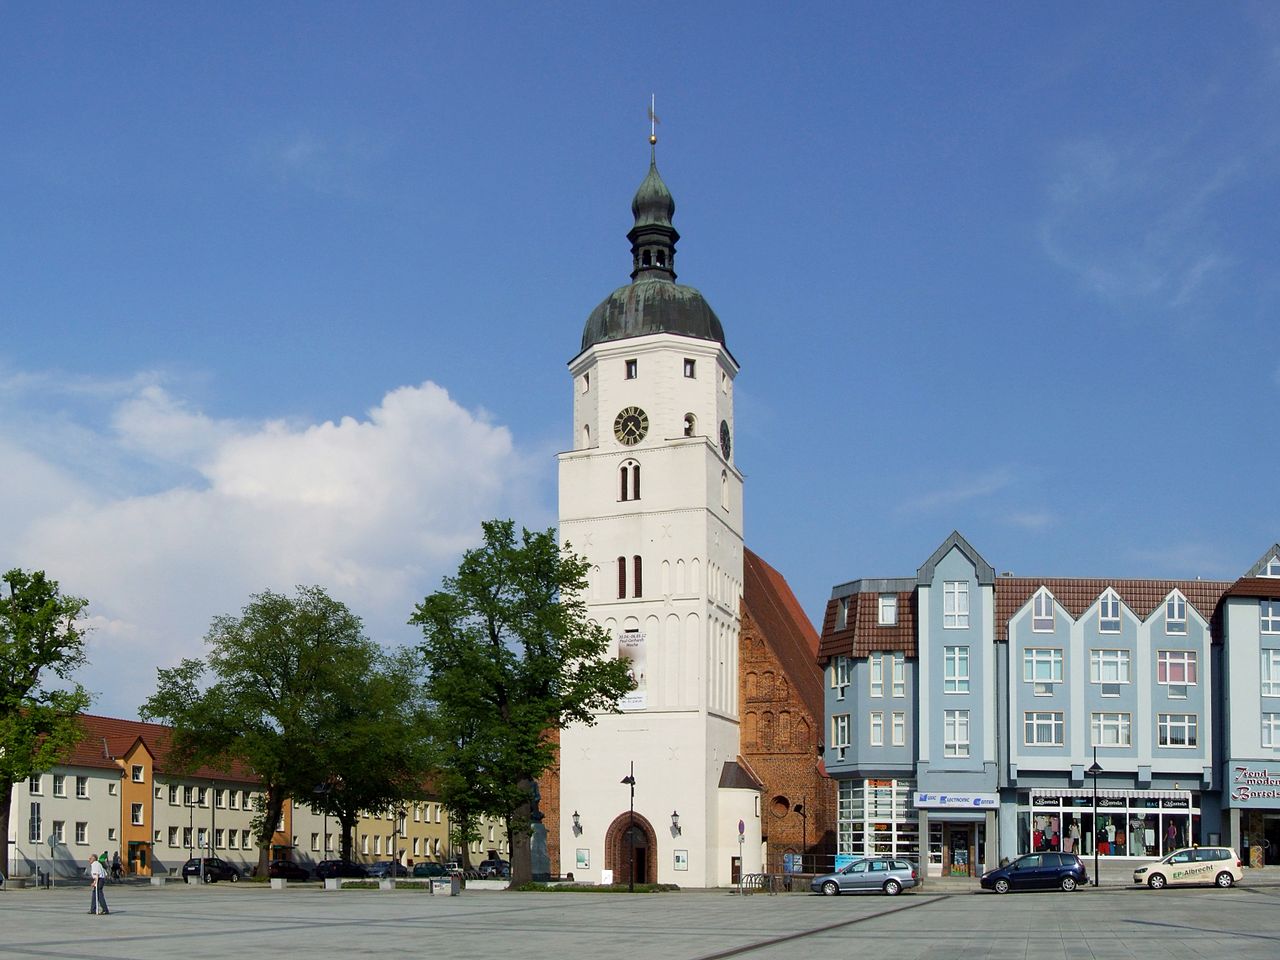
[455,885]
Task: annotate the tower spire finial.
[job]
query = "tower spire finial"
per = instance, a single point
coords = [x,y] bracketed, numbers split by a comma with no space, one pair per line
[653,122]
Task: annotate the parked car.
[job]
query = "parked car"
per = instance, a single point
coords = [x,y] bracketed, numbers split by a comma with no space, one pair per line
[1217,865]
[871,875]
[328,869]
[429,870]
[494,868]
[387,868]
[287,870]
[1038,871]
[214,870]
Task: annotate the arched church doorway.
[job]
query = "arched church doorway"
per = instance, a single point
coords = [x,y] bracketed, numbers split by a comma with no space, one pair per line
[631,851]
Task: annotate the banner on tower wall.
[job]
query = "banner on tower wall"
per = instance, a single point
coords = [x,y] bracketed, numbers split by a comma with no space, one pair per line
[631,648]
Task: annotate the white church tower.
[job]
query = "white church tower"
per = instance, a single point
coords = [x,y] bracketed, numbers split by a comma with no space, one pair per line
[651,496]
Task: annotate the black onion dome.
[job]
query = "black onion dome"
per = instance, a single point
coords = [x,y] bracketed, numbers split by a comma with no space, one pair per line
[652,306]
[653,203]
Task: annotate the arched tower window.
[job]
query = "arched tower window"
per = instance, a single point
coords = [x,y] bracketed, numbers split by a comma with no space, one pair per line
[622,578]
[629,480]
[586,435]
[690,424]
[724,489]
[636,584]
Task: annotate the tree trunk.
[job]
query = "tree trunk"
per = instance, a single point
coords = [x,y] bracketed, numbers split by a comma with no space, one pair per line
[6,804]
[270,817]
[518,837]
[348,822]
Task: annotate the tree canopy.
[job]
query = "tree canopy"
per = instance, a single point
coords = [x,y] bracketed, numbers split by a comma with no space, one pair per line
[40,640]
[510,656]
[293,686]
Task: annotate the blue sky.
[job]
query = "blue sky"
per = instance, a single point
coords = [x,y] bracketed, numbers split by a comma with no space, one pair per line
[287,290]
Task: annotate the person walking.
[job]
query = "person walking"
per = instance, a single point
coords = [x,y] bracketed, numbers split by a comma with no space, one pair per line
[115,867]
[97,880]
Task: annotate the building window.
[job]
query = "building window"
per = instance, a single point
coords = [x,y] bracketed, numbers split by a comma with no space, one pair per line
[173,836]
[202,838]
[1109,666]
[1111,730]
[840,676]
[219,841]
[1177,667]
[113,788]
[1175,614]
[1177,730]
[955,733]
[246,841]
[59,831]
[233,841]
[629,480]
[1271,616]
[173,794]
[842,613]
[1271,672]
[1042,612]
[136,814]
[1042,666]
[875,665]
[632,369]
[1272,568]
[219,798]
[111,834]
[137,772]
[59,785]
[724,490]
[186,796]
[955,604]
[203,794]
[876,728]
[690,368]
[82,787]
[1043,728]
[364,843]
[186,837]
[899,728]
[1271,730]
[1109,614]
[637,589]
[34,785]
[899,675]
[586,383]
[888,610]
[840,734]
[955,669]
[690,424]
[82,831]
[622,578]
[315,842]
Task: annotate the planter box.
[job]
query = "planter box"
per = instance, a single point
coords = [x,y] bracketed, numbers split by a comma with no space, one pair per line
[279,883]
[333,883]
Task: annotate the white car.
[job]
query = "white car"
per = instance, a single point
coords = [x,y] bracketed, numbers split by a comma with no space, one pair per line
[1216,865]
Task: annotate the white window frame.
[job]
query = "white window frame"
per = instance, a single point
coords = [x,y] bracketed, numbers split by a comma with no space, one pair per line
[1271,671]
[1037,722]
[1042,612]
[1034,658]
[82,788]
[875,669]
[955,604]
[887,610]
[840,734]
[1101,723]
[59,785]
[1168,723]
[1166,660]
[1269,616]
[840,676]
[1271,731]
[899,721]
[1110,665]
[35,785]
[899,675]
[137,773]
[173,837]
[136,814]
[82,832]
[1175,614]
[842,613]
[955,668]
[1109,620]
[1272,569]
[59,831]
[875,728]
[955,733]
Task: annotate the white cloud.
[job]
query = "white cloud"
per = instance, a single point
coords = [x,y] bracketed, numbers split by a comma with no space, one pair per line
[961,489]
[375,509]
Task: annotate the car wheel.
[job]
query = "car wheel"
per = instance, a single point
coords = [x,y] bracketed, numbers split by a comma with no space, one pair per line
[892,887]
[1156,882]
[1224,879]
[1002,885]
[1068,884]
[830,888]
[235,877]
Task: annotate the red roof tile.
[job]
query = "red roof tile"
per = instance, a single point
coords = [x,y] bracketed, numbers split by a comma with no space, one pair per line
[772,605]
[1076,595]
[1264,588]
[863,633]
[108,738]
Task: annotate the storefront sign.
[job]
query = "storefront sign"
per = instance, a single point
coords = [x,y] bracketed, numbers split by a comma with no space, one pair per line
[952,801]
[1046,801]
[631,650]
[1255,785]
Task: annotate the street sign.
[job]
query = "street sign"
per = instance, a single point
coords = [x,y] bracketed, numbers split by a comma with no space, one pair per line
[742,829]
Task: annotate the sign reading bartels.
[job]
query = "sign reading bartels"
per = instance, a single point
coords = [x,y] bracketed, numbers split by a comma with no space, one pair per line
[953,801]
[1254,784]
[631,649]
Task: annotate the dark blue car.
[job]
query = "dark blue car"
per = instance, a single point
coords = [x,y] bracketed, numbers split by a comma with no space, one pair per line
[1038,871]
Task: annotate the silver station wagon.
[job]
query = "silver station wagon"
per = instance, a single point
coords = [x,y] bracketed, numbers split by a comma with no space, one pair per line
[872,875]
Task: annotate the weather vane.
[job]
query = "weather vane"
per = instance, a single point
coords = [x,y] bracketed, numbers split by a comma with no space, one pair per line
[653,122]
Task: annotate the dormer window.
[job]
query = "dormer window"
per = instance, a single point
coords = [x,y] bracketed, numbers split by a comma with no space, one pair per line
[1272,569]
[1042,612]
[632,368]
[888,610]
[842,613]
[1109,613]
[1175,614]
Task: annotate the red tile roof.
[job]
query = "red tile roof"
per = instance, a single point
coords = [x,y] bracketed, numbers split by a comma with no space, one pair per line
[1078,595]
[108,738]
[775,609]
[863,633]
[1263,588]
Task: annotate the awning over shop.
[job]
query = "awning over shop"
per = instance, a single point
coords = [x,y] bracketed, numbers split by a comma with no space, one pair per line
[1110,793]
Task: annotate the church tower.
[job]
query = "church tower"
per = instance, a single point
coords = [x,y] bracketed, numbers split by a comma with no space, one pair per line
[651,496]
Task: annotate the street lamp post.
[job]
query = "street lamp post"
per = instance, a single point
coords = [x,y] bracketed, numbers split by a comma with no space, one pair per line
[321,790]
[1093,771]
[400,814]
[804,829]
[630,780]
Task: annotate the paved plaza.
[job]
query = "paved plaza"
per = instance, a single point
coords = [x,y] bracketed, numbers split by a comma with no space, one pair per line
[248,920]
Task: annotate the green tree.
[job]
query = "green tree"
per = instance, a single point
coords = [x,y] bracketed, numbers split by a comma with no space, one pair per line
[281,680]
[39,640]
[511,656]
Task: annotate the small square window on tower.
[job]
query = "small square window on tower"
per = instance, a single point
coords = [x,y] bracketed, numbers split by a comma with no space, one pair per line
[690,368]
[632,369]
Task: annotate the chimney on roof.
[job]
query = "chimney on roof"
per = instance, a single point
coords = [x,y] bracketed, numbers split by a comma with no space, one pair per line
[1007,573]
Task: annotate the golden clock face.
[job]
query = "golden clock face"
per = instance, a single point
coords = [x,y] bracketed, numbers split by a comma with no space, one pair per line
[630,426]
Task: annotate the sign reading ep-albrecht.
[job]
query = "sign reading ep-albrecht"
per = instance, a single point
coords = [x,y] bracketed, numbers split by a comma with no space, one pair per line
[1254,784]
